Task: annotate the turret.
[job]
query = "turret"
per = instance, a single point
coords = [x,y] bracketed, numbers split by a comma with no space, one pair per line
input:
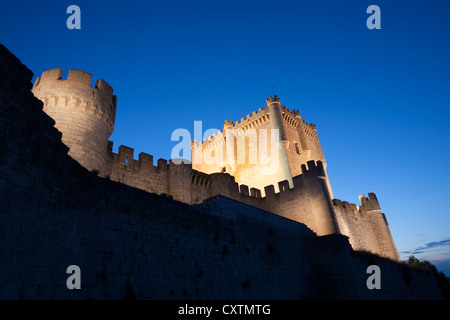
[315,181]
[274,107]
[384,241]
[84,114]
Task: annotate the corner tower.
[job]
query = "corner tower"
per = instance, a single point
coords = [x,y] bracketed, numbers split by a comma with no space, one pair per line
[284,170]
[84,114]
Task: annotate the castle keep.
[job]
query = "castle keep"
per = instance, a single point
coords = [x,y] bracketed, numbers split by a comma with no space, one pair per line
[299,188]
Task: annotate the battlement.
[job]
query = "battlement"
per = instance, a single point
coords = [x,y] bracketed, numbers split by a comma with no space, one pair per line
[200,179]
[253,121]
[271,99]
[309,129]
[76,92]
[371,203]
[294,112]
[367,205]
[289,119]
[366,226]
[75,77]
[225,184]
[125,158]
[347,208]
[314,169]
[270,189]
[256,120]
[228,123]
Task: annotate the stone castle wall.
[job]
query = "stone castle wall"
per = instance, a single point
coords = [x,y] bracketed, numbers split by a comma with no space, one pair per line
[366,226]
[130,243]
[140,173]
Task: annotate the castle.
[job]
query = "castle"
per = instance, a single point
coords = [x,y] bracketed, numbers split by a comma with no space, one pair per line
[133,244]
[298,188]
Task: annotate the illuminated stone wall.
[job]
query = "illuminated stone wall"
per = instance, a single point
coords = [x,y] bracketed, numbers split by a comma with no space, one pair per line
[84,114]
[299,138]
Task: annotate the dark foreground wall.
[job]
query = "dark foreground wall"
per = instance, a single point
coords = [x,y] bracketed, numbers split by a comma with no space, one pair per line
[132,244]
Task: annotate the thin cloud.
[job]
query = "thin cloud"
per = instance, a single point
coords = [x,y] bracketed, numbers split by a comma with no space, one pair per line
[428,246]
[438,243]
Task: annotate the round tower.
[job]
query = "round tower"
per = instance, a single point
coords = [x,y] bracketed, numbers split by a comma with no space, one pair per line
[84,114]
[274,107]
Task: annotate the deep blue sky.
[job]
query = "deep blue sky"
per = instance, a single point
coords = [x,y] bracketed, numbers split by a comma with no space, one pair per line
[380,98]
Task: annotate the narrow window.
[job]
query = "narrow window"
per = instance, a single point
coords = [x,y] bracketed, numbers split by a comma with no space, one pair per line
[296,147]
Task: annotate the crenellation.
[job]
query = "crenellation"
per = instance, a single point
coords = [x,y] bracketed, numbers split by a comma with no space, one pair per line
[162,164]
[290,113]
[53,74]
[104,88]
[78,83]
[269,191]
[283,185]
[141,168]
[347,208]
[79,78]
[256,193]
[370,203]
[244,190]
[200,179]
[146,162]
[125,155]
[314,169]
[224,184]
[228,123]
[256,119]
